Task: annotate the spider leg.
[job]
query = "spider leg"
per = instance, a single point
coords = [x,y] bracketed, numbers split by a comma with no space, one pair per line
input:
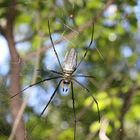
[81,85]
[54,47]
[85,76]
[31,129]
[56,72]
[73,101]
[51,97]
[53,71]
[94,99]
[47,79]
[99,118]
[87,49]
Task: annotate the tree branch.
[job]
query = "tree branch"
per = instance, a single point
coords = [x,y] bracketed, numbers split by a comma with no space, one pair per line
[10,14]
[71,34]
[125,107]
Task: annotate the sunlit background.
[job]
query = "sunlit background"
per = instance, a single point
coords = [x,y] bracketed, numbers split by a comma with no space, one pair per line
[115,52]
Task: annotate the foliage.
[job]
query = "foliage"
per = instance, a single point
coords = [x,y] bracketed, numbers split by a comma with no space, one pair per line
[113,59]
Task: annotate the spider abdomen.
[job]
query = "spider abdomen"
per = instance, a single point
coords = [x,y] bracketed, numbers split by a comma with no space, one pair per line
[70,61]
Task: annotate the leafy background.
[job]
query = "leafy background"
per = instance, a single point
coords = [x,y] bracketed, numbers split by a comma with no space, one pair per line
[113,59]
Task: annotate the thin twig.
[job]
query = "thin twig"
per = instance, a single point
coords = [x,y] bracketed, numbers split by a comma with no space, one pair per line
[17,120]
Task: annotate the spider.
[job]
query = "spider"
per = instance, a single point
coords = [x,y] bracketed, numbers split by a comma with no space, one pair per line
[67,76]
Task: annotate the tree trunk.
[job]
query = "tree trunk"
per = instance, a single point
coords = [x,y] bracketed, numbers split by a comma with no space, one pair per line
[15,65]
[15,103]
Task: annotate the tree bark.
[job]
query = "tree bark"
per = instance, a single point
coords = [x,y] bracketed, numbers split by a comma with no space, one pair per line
[15,103]
[15,65]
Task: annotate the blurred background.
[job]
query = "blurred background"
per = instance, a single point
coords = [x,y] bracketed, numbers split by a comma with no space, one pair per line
[26,56]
